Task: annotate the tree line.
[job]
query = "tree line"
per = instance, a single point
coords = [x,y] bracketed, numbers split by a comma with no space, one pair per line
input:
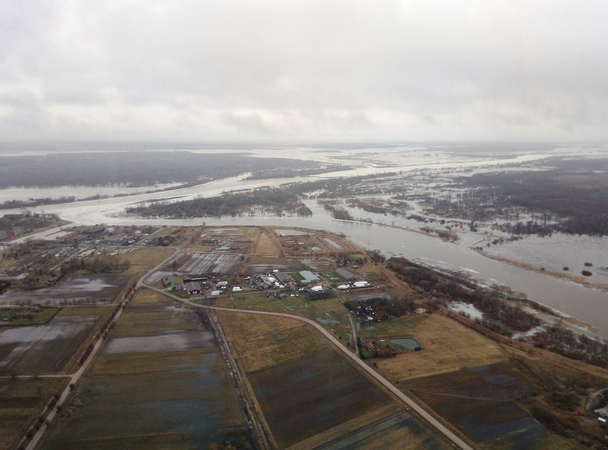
[500,316]
[266,201]
[131,168]
[578,199]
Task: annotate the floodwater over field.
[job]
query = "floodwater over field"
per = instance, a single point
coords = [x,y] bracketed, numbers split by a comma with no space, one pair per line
[285,232]
[588,305]
[467,309]
[43,348]
[73,288]
[186,404]
[176,340]
[79,192]
[333,243]
[322,402]
[158,382]
[560,251]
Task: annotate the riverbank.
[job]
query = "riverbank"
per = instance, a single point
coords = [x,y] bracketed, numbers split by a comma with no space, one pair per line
[543,271]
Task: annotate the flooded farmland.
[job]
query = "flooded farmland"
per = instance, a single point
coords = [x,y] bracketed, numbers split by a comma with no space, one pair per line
[179,340]
[21,401]
[185,402]
[310,396]
[159,382]
[71,290]
[44,348]
[404,239]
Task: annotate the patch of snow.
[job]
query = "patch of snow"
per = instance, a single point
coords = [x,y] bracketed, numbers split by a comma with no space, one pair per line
[467,308]
[530,332]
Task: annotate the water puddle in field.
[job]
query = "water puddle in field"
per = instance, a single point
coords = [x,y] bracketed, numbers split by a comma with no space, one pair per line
[178,340]
[63,327]
[327,320]
[284,232]
[333,243]
[84,284]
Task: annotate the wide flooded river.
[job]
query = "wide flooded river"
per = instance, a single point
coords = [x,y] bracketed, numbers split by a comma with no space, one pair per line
[586,304]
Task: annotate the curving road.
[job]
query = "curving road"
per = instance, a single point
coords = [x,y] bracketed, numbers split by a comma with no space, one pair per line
[353,356]
[74,377]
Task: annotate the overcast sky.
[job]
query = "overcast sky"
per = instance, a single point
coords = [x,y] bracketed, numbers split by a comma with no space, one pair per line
[293,70]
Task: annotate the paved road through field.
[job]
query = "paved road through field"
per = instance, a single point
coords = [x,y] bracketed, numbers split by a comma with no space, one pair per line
[353,356]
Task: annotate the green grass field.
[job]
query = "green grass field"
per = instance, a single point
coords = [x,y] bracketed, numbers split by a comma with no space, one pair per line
[332,277]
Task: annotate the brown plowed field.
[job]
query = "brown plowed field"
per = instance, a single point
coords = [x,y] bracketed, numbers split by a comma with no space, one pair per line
[302,398]
[482,402]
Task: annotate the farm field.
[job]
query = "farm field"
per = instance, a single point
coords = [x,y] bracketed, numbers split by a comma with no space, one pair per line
[231,231]
[321,390]
[239,240]
[482,402]
[20,402]
[144,258]
[319,264]
[263,264]
[446,346]
[311,242]
[481,387]
[44,349]
[158,382]
[385,427]
[39,317]
[73,289]
[299,378]
[83,311]
[330,313]
[267,246]
[264,341]
[362,295]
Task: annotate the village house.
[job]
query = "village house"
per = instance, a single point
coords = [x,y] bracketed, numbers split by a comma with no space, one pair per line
[193,287]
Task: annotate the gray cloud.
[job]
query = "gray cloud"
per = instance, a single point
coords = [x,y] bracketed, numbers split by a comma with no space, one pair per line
[304,69]
[246,123]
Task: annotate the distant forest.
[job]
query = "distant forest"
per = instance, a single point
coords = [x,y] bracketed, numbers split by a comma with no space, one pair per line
[578,197]
[570,198]
[277,201]
[261,201]
[134,168]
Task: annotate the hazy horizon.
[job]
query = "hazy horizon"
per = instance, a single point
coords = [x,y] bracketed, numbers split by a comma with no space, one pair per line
[304,71]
